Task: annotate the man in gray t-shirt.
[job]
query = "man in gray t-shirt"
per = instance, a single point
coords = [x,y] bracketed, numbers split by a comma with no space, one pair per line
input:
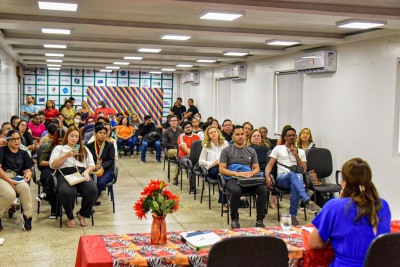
[239,153]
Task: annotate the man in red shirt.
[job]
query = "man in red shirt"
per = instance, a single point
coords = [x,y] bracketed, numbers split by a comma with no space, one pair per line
[185,141]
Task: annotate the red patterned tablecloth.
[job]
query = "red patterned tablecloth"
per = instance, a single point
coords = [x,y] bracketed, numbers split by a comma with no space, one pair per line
[136,250]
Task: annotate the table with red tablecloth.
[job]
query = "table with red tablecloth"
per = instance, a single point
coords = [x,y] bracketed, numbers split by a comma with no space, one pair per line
[136,250]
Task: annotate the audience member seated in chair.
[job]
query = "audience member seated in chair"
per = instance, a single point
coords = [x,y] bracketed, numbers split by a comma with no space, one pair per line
[213,144]
[305,140]
[126,135]
[241,160]
[145,128]
[15,162]
[185,141]
[170,142]
[68,158]
[104,157]
[260,146]
[290,155]
[351,222]
[45,172]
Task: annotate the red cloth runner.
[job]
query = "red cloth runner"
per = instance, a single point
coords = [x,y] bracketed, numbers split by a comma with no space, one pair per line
[92,252]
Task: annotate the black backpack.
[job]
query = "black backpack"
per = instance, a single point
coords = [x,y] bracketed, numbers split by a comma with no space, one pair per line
[152,137]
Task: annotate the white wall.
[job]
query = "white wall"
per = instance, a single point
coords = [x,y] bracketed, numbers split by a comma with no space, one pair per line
[8,87]
[350,112]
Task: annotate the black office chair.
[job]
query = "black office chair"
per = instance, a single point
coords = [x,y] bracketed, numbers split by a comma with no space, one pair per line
[320,160]
[384,251]
[255,251]
[110,186]
[195,151]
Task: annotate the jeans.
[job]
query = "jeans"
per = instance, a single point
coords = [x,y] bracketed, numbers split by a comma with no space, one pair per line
[213,173]
[102,181]
[129,142]
[293,182]
[157,146]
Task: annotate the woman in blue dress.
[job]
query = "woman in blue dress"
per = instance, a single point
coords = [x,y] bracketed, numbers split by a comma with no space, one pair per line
[351,222]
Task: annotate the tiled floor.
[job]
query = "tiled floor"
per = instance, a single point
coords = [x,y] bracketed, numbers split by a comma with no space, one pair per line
[49,245]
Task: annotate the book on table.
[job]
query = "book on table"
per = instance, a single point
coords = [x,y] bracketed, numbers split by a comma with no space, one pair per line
[200,239]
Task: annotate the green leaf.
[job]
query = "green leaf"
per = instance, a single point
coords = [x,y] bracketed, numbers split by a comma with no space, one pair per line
[162,185]
[155,206]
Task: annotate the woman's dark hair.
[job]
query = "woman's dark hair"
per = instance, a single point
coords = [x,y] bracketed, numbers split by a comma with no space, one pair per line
[248,123]
[51,129]
[127,120]
[13,117]
[27,139]
[359,187]
[287,130]
[13,132]
[284,129]
[60,133]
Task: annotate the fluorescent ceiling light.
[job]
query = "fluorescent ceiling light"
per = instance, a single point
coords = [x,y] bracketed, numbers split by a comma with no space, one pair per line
[53,68]
[149,50]
[221,15]
[56,31]
[54,60]
[58,6]
[236,54]
[156,72]
[53,65]
[53,55]
[360,24]
[179,37]
[206,60]
[167,69]
[112,67]
[105,70]
[133,58]
[54,46]
[121,63]
[282,42]
[184,65]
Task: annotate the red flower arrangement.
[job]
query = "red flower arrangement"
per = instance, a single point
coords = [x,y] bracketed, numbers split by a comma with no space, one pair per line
[157,199]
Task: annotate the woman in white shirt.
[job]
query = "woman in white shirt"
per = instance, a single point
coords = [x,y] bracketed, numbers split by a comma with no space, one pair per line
[67,158]
[213,143]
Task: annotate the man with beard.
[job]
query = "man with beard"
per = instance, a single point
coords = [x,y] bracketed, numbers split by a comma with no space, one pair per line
[240,160]
[29,109]
[185,141]
[170,140]
[288,155]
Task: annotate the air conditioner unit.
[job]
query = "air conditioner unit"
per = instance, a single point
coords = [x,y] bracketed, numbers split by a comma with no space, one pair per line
[235,72]
[316,62]
[191,77]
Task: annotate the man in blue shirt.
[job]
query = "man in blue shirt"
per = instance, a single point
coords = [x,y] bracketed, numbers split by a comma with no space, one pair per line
[29,108]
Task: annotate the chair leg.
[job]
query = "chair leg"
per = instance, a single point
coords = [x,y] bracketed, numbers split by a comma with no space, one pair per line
[92,218]
[228,211]
[59,207]
[278,208]
[165,157]
[202,192]
[209,196]
[169,170]
[181,178]
[112,197]
[250,206]
[38,206]
[267,206]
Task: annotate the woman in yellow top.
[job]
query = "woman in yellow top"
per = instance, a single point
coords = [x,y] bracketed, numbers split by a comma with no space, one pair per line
[69,112]
[126,135]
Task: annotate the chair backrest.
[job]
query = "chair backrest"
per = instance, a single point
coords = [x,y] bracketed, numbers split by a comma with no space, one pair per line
[116,171]
[221,182]
[249,251]
[195,151]
[319,160]
[384,251]
[274,168]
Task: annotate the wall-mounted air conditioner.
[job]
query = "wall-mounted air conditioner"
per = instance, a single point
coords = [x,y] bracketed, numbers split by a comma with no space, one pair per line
[235,72]
[316,62]
[191,77]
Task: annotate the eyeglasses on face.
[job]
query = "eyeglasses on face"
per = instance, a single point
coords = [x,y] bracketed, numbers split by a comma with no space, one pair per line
[15,139]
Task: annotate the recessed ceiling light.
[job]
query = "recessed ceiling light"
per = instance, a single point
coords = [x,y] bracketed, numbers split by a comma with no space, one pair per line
[53,55]
[51,68]
[56,31]
[184,65]
[149,50]
[121,63]
[236,54]
[282,42]
[167,69]
[171,36]
[221,15]
[54,46]
[53,65]
[155,72]
[206,60]
[58,6]
[105,70]
[112,67]
[54,60]
[133,58]
[360,24]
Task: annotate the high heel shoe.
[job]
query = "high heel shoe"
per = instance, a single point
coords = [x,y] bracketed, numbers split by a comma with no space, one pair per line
[272,202]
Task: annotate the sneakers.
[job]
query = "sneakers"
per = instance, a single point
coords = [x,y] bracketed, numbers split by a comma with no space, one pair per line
[41,197]
[159,161]
[12,209]
[143,161]
[235,224]
[26,222]
[260,223]
[311,206]
[53,216]
[295,222]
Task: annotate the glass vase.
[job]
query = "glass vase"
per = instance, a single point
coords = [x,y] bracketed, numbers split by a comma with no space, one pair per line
[158,230]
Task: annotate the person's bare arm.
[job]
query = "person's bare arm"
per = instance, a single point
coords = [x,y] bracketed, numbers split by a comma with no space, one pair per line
[316,241]
[186,149]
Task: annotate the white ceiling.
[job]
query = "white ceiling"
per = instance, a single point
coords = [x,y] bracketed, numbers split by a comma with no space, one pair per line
[104,31]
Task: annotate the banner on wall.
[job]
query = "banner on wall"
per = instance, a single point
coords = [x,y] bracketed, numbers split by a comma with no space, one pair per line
[141,100]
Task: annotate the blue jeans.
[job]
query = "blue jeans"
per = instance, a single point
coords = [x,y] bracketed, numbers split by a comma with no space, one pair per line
[102,181]
[157,146]
[293,182]
[130,142]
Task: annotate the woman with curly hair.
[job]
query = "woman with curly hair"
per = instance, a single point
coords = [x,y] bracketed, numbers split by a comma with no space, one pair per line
[351,222]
